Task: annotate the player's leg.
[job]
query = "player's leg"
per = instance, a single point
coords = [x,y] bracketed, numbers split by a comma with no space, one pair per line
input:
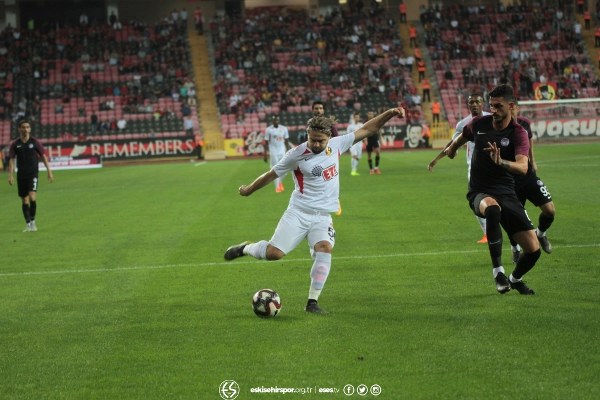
[32,210]
[24,187]
[545,220]
[277,182]
[518,226]
[321,239]
[482,225]
[369,158]
[290,231]
[377,158]
[538,194]
[487,207]
[531,253]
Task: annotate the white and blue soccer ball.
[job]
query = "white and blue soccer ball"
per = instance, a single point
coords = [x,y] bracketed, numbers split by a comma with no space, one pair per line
[266,303]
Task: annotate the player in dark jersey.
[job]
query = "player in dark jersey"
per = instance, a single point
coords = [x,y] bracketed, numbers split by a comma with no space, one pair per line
[501,151]
[27,150]
[373,147]
[531,187]
[318,108]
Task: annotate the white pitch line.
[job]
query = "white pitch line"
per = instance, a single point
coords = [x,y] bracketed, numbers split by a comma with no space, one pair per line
[249,261]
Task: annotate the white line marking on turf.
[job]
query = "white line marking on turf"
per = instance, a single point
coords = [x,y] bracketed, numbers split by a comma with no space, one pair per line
[199,163]
[253,261]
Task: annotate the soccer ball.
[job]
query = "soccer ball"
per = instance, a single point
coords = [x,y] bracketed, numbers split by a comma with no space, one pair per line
[266,303]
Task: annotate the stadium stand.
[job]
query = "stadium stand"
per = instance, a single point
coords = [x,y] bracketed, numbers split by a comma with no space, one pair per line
[279,60]
[78,81]
[470,53]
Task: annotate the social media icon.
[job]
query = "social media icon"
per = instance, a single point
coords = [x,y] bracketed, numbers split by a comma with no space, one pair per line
[362,389]
[348,390]
[375,390]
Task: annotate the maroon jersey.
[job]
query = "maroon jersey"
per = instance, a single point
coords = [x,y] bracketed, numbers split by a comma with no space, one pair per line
[486,176]
[27,156]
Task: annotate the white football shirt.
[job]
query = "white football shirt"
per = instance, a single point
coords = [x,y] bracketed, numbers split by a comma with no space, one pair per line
[470,145]
[276,137]
[357,147]
[316,176]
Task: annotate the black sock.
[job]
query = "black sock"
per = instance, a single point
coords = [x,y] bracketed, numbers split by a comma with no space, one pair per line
[26,212]
[544,222]
[32,209]
[370,163]
[513,243]
[494,234]
[377,161]
[525,263]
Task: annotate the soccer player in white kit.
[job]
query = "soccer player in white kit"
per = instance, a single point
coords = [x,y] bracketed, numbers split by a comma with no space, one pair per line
[475,104]
[277,138]
[315,167]
[356,149]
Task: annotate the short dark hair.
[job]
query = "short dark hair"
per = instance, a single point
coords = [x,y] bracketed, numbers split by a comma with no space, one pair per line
[320,123]
[504,91]
[317,102]
[22,121]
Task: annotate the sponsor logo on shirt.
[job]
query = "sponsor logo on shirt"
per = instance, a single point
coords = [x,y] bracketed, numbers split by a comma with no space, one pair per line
[330,172]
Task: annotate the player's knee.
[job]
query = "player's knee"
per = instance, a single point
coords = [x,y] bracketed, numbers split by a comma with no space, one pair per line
[323,247]
[273,253]
[549,210]
[533,256]
[492,213]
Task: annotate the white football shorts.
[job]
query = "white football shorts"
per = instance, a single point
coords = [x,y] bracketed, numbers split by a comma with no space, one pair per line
[295,225]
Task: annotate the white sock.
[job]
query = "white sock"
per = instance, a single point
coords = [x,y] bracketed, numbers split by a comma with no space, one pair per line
[482,223]
[318,274]
[515,248]
[257,250]
[539,233]
[496,271]
[513,279]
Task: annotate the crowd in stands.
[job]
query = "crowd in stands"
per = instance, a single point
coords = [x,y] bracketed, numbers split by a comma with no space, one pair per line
[97,74]
[521,45]
[289,58]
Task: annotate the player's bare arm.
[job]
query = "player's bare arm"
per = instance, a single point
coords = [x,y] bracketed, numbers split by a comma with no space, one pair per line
[47,165]
[519,166]
[260,182]
[372,126]
[531,158]
[11,172]
[442,154]
[456,144]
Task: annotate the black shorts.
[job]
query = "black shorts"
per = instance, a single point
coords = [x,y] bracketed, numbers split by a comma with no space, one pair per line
[27,184]
[513,216]
[532,188]
[372,146]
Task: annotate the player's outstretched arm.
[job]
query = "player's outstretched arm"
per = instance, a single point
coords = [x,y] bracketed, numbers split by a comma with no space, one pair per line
[372,126]
[438,157]
[260,182]
[456,144]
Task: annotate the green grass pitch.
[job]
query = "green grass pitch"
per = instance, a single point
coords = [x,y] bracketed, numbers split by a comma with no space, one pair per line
[123,292]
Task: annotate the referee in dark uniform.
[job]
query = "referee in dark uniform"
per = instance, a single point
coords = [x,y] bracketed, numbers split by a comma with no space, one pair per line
[27,150]
[501,150]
